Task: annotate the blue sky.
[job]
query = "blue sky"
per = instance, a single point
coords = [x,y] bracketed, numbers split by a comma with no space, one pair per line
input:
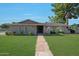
[17,12]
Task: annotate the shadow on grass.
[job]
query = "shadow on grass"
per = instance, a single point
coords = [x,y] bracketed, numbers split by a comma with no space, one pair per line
[54,35]
[21,35]
[39,34]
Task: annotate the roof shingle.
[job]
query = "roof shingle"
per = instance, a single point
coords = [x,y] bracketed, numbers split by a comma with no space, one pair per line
[28,21]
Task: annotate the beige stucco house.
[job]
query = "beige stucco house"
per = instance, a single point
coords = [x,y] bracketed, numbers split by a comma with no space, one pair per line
[29,26]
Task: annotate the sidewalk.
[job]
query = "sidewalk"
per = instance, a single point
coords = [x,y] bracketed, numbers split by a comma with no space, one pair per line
[42,48]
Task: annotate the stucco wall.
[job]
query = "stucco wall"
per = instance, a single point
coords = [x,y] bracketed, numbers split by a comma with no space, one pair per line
[77,30]
[65,30]
[48,29]
[33,29]
[14,29]
[24,29]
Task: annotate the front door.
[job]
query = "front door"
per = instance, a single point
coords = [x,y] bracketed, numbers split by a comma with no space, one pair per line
[39,29]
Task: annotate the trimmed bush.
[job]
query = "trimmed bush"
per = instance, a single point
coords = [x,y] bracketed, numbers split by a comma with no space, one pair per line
[9,33]
[14,33]
[21,33]
[30,33]
[52,32]
[61,31]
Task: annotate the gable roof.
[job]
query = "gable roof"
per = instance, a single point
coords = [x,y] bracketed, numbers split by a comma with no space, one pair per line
[28,21]
[31,22]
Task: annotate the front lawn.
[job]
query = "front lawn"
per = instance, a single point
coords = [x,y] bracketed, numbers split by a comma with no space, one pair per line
[17,45]
[66,45]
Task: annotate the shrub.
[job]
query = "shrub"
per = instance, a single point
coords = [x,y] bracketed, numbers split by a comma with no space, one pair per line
[9,33]
[14,33]
[6,33]
[72,31]
[59,31]
[21,33]
[30,33]
[52,32]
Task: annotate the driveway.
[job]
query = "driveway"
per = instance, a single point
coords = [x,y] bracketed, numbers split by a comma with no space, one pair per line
[2,32]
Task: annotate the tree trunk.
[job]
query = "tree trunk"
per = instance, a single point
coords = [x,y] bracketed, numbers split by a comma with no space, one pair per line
[66,21]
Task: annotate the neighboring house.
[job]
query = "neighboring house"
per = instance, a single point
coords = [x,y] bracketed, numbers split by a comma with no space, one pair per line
[2,31]
[29,26]
[77,29]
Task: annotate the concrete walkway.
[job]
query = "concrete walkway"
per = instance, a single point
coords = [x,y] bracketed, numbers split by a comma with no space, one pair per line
[42,48]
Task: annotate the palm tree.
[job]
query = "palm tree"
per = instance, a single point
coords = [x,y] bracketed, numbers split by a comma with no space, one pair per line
[65,11]
[56,19]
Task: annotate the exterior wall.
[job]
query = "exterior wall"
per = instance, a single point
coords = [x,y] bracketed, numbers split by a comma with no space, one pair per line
[33,29]
[77,30]
[48,29]
[14,29]
[65,30]
[45,31]
[24,29]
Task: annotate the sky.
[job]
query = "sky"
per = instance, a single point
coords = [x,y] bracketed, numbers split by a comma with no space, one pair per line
[16,12]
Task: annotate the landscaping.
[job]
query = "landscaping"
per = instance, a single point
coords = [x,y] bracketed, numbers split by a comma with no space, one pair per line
[60,45]
[17,45]
[65,45]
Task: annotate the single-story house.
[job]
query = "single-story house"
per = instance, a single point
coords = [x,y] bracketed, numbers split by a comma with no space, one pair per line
[30,26]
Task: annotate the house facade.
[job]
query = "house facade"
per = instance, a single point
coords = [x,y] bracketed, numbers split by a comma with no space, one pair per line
[29,26]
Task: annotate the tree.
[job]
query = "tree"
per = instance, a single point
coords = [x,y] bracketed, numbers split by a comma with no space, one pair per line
[74,26]
[55,19]
[4,26]
[65,11]
[14,22]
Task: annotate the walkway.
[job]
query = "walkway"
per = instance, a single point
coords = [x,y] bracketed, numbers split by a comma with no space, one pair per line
[42,48]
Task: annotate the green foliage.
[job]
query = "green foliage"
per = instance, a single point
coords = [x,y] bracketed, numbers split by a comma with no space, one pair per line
[55,19]
[9,33]
[52,32]
[21,33]
[30,33]
[17,45]
[74,26]
[66,45]
[65,11]
[57,31]
[5,26]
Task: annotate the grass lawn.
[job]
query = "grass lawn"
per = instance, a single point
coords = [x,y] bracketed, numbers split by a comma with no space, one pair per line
[66,45]
[17,45]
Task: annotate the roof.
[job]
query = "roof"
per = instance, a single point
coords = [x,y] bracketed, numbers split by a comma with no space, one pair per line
[30,22]
[55,24]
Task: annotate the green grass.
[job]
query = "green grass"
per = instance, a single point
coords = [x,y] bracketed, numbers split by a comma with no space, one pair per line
[17,45]
[66,45]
